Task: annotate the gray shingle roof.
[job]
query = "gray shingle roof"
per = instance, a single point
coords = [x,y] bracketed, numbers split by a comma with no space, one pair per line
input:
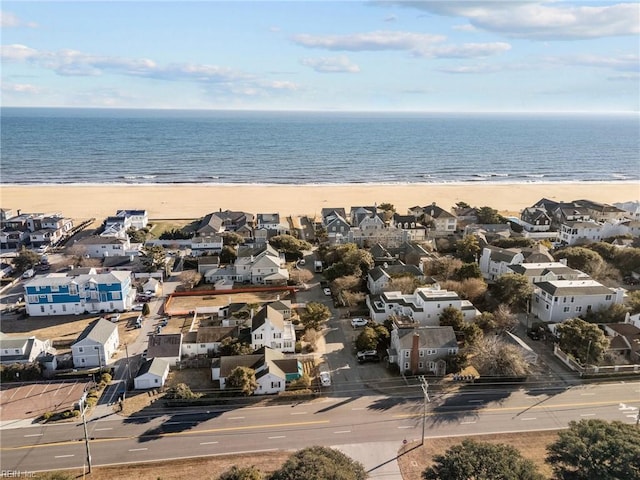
[164,345]
[99,331]
[430,337]
[154,366]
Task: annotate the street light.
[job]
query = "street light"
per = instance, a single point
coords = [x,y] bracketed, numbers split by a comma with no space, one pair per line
[425,387]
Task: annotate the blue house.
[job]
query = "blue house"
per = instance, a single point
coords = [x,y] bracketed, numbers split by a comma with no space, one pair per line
[73,294]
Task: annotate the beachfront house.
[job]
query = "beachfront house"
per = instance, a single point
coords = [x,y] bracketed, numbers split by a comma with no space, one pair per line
[336,226]
[71,293]
[421,350]
[272,369]
[440,222]
[96,344]
[206,245]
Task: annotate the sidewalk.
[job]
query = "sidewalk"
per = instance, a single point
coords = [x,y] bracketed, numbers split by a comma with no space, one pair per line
[380,459]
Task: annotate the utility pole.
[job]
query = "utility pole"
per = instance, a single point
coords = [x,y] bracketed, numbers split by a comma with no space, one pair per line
[83,407]
[425,387]
[126,349]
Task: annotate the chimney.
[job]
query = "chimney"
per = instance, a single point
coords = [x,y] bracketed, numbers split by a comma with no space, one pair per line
[415,353]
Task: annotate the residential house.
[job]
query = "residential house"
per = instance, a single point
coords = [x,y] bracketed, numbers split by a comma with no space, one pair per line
[337,226]
[421,350]
[625,339]
[211,224]
[439,221]
[580,232]
[559,300]
[358,214]
[152,285]
[20,349]
[208,262]
[206,244]
[378,278]
[167,346]
[96,344]
[631,209]
[415,231]
[411,253]
[100,247]
[495,261]
[602,212]
[241,223]
[272,223]
[272,369]
[137,219]
[153,373]
[207,340]
[424,306]
[6,213]
[545,272]
[535,219]
[261,266]
[284,307]
[74,293]
[269,328]
[465,216]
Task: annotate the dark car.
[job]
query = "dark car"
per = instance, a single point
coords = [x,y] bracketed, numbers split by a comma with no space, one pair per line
[368,356]
[534,334]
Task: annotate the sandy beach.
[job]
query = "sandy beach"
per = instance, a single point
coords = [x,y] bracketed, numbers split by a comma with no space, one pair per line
[192,201]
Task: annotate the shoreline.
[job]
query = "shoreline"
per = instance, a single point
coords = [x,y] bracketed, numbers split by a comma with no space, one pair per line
[166,201]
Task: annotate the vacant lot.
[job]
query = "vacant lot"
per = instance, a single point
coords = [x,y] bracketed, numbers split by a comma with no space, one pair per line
[159,226]
[185,304]
[64,329]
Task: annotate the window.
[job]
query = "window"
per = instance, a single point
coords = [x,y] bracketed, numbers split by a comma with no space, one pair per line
[155,380]
[578,309]
[81,349]
[406,365]
[32,299]
[452,351]
[41,308]
[431,352]
[608,297]
[257,336]
[277,335]
[82,360]
[566,309]
[55,288]
[115,295]
[275,384]
[64,308]
[406,353]
[420,365]
[96,347]
[422,353]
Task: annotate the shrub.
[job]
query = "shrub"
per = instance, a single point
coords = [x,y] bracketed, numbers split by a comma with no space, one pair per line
[47,415]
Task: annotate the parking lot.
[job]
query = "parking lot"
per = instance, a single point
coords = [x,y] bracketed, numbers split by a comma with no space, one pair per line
[30,400]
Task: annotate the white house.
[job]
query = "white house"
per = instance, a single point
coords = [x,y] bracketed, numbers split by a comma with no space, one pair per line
[269,328]
[264,266]
[23,349]
[201,244]
[580,232]
[379,277]
[424,306]
[559,300]
[136,218]
[549,271]
[273,371]
[100,247]
[422,350]
[206,340]
[495,261]
[96,345]
[152,374]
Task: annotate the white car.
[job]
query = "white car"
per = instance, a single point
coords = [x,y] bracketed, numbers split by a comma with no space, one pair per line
[325,379]
[327,291]
[137,308]
[359,322]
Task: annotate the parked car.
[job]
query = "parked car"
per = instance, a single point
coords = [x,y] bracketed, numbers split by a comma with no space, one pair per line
[368,356]
[137,308]
[325,379]
[29,273]
[113,317]
[301,261]
[359,322]
[164,322]
[144,354]
[327,292]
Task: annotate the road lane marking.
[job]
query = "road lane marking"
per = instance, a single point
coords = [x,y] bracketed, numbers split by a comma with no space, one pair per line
[235,418]
[34,435]
[469,422]
[405,426]
[298,413]
[137,449]
[101,429]
[528,418]
[586,394]
[208,443]
[587,414]
[343,431]
[523,407]
[358,408]
[277,436]
[63,456]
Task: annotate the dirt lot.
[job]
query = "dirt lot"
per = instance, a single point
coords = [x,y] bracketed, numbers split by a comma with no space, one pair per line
[64,328]
[185,304]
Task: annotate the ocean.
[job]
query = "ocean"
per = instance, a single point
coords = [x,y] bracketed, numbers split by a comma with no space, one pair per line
[108,146]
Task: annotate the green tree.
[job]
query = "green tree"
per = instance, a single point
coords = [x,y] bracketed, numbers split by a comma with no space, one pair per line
[347,259]
[138,236]
[367,339]
[289,244]
[146,310]
[490,216]
[633,302]
[314,315]
[387,207]
[233,346]
[456,362]
[469,270]
[486,321]
[443,268]
[232,239]
[580,258]
[26,259]
[242,473]
[228,254]
[468,248]
[242,380]
[482,461]
[453,317]
[472,334]
[595,449]
[514,290]
[181,392]
[584,340]
[153,258]
[615,313]
[320,463]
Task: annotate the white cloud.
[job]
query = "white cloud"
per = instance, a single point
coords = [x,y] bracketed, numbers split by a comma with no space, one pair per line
[340,64]
[9,20]
[625,77]
[21,88]
[418,44]
[372,41]
[540,19]
[467,27]
[472,69]
[629,62]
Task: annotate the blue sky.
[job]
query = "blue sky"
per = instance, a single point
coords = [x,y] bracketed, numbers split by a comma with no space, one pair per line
[501,55]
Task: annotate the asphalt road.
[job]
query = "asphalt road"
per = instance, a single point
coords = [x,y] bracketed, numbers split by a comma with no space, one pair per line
[332,421]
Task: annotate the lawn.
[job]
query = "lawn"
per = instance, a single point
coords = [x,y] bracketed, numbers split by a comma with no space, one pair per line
[159,226]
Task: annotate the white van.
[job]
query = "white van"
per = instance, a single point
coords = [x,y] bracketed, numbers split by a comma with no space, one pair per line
[29,273]
[325,379]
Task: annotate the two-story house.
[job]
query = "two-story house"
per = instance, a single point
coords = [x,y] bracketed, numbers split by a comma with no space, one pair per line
[546,272]
[206,244]
[558,300]
[495,261]
[269,328]
[440,222]
[257,266]
[23,349]
[421,350]
[379,277]
[336,226]
[67,294]
[96,345]
[100,247]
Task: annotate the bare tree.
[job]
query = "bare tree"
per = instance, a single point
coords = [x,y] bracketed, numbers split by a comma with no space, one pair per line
[493,357]
[504,318]
[190,278]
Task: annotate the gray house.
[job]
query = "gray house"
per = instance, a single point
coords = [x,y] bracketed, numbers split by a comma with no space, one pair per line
[422,349]
[96,345]
[152,374]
